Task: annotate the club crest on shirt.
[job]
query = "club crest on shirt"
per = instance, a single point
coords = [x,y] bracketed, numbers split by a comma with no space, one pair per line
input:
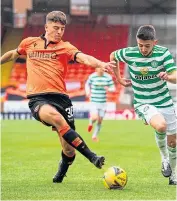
[54,47]
[144,70]
[154,64]
[35,44]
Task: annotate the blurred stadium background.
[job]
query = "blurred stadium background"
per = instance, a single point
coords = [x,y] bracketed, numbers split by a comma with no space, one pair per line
[96,27]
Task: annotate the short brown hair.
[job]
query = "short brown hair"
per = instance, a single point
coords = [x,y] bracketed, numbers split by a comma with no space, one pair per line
[56,16]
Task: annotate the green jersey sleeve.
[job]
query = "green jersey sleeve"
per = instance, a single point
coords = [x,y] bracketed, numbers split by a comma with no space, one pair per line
[120,55]
[168,62]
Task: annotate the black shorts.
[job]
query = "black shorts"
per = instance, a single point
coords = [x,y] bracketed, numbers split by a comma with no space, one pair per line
[60,101]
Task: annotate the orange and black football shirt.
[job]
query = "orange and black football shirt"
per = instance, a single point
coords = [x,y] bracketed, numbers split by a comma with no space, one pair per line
[46,64]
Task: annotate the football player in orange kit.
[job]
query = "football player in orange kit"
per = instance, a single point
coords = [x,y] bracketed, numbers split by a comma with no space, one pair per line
[47,60]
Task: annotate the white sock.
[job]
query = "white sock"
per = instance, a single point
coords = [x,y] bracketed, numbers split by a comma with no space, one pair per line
[172,158]
[161,140]
[96,130]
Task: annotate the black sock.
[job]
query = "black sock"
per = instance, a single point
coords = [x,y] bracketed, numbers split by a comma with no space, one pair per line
[66,162]
[75,140]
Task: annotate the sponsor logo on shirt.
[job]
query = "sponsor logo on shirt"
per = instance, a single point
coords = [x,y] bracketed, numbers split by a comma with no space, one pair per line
[145,77]
[42,55]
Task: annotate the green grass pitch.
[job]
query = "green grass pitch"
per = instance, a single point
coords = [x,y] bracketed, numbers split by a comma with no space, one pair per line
[31,151]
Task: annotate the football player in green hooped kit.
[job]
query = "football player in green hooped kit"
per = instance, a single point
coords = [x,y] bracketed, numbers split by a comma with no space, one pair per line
[151,66]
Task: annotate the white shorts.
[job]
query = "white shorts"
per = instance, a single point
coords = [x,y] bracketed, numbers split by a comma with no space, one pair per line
[98,109]
[146,112]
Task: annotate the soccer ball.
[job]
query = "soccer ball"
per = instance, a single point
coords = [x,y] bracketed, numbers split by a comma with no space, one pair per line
[115,178]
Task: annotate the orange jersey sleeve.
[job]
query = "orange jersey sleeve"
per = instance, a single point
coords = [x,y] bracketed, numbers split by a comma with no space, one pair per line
[22,47]
[71,52]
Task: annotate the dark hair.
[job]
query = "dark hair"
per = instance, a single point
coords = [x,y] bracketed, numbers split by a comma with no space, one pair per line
[56,16]
[146,32]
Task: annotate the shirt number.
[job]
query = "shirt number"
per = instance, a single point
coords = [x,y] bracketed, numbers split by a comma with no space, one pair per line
[69,111]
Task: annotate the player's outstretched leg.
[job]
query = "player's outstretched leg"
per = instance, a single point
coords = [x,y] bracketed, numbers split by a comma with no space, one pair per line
[51,116]
[63,168]
[76,141]
[98,161]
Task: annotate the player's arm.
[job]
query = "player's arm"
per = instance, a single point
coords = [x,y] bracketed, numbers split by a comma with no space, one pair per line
[117,69]
[110,86]
[93,62]
[169,77]
[87,87]
[9,56]
[14,54]
[172,77]
[122,81]
[170,74]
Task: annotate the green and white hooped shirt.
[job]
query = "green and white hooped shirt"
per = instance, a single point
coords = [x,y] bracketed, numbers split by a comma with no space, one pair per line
[148,88]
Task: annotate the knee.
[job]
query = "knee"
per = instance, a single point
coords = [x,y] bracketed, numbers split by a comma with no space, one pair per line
[161,127]
[69,152]
[94,118]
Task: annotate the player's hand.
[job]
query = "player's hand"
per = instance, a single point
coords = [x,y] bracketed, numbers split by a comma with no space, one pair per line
[163,76]
[107,67]
[125,82]
[106,88]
